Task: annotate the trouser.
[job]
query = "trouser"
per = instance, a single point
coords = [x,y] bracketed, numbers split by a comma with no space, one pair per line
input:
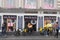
[45,32]
[3,30]
[30,30]
[57,32]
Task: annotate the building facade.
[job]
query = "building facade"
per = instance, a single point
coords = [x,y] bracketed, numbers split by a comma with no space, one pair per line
[17,13]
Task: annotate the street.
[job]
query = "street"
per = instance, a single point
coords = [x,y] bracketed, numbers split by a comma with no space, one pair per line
[29,38]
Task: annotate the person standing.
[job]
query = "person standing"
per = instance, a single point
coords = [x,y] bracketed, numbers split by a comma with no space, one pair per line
[4,28]
[46,30]
[57,29]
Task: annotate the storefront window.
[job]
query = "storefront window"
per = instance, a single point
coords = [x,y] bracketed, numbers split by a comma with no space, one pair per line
[48,4]
[10,3]
[10,22]
[49,20]
[30,4]
[30,20]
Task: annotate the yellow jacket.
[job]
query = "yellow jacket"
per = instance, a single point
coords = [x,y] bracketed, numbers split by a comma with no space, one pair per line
[49,25]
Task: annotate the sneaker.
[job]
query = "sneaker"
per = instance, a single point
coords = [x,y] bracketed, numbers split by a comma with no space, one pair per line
[46,35]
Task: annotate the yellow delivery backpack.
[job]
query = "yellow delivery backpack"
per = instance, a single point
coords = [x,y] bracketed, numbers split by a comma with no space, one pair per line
[40,29]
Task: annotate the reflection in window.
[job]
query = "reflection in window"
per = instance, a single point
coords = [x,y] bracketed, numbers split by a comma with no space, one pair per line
[11,3]
[31,1]
[49,19]
[30,4]
[49,4]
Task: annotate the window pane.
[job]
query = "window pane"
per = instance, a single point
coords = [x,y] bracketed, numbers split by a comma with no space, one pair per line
[10,3]
[48,4]
[30,4]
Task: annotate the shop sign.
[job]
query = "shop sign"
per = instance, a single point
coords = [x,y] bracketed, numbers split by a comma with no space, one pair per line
[49,17]
[30,17]
[9,16]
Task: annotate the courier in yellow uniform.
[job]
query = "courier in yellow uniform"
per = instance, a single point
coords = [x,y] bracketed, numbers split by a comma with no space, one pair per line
[49,27]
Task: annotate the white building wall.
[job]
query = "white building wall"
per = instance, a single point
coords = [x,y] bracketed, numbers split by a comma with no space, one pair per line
[0,3]
[58,4]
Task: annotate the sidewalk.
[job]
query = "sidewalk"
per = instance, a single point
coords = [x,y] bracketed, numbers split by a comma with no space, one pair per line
[29,38]
[34,36]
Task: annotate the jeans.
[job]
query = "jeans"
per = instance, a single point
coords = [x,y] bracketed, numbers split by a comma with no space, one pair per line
[45,32]
[3,32]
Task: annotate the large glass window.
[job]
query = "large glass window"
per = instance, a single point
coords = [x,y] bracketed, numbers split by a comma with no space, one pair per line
[49,4]
[28,19]
[30,4]
[49,20]
[10,3]
[10,22]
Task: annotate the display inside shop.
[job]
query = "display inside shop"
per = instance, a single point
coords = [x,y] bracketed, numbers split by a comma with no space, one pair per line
[49,21]
[30,20]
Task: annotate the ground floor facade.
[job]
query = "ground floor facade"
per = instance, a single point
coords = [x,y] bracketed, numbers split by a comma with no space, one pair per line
[20,20]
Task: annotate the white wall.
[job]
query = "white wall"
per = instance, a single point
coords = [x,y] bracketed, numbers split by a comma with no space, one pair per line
[0,3]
